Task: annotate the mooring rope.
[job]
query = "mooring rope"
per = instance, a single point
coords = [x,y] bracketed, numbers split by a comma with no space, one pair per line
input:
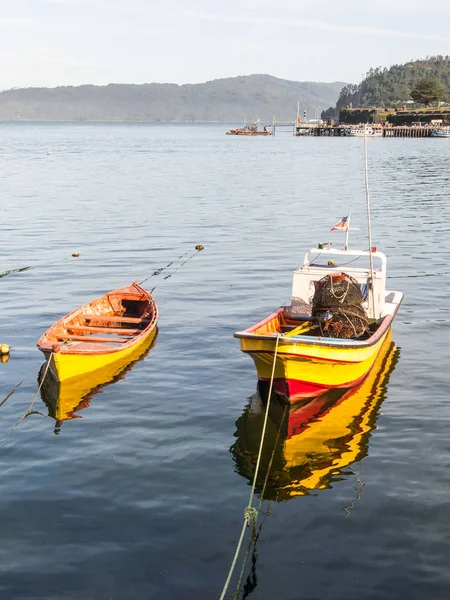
[28,411]
[162,269]
[198,249]
[254,537]
[250,513]
[11,393]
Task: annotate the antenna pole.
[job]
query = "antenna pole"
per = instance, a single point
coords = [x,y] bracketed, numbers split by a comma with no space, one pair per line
[346,231]
[369,229]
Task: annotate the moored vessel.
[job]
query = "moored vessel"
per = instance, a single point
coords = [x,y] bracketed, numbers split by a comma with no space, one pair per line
[252,129]
[102,332]
[442,132]
[315,346]
[365,130]
[339,316]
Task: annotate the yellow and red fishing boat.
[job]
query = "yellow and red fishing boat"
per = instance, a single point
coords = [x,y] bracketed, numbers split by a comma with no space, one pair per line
[314,346]
[110,330]
[313,443]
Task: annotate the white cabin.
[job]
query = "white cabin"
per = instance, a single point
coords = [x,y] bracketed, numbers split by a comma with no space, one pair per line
[324,261]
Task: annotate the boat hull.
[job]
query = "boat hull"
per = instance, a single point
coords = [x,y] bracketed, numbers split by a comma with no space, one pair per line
[68,366]
[251,133]
[303,371]
[304,366]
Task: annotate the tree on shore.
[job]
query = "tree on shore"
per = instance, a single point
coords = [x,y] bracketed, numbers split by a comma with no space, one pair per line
[427,90]
[330,113]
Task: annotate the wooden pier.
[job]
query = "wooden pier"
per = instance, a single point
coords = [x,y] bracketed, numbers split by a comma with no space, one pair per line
[341,131]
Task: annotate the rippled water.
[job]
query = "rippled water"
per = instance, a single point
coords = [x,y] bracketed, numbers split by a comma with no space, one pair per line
[142,497]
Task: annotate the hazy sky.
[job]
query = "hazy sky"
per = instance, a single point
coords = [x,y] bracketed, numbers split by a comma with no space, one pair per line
[70,42]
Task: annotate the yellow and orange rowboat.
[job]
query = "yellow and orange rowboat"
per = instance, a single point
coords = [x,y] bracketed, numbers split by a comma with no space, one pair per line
[105,331]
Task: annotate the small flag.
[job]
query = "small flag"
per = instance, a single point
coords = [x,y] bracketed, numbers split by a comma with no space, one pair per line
[341,226]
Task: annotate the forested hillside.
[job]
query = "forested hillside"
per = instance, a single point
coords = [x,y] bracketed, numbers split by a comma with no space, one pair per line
[235,99]
[392,87]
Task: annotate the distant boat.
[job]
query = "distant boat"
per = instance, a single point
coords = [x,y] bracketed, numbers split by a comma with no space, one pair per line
[443,132]
[366,130]
[252,129]
[105,331]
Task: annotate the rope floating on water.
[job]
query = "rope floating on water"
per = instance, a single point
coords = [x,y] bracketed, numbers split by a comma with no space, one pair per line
[10,393]
[250,512]
[254,539]
[197,249]
[28,411]
[29,268]
[5,273]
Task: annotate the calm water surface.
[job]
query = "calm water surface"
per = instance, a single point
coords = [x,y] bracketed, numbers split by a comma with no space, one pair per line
[142,496]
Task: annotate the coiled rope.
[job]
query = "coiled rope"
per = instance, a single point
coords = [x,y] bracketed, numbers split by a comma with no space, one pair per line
[250,512]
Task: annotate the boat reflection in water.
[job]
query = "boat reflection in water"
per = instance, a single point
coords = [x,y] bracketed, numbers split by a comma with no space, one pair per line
[317,440]
[66,399]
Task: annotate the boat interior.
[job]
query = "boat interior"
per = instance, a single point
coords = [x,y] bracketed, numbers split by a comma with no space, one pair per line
[115,318]
[291,324]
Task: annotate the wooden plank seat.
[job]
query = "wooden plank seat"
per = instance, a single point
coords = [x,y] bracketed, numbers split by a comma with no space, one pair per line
[91,339]
[104,329]
[117,318]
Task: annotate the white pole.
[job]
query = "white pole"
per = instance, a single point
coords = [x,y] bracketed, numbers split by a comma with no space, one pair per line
[346,231]
[369,229]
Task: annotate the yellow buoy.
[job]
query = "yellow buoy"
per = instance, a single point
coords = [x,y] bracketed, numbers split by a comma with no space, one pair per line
[76,254]
[4,349]
[199,247]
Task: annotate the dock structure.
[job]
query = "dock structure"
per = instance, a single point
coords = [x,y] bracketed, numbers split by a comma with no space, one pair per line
[388,131]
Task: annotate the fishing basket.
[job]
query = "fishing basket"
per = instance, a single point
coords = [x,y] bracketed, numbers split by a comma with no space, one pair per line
[337,305]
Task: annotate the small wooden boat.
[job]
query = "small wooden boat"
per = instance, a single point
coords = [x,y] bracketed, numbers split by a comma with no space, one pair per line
[441,132]
[316,441]
[311,354]
[252,129]
[107,330]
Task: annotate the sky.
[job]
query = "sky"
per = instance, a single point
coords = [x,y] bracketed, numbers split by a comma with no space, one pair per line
[73,42]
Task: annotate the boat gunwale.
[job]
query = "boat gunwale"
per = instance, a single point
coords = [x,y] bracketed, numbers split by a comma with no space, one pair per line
[314,340]
[46,346]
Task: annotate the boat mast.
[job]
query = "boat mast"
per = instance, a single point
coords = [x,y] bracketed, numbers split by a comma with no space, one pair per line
[369,229]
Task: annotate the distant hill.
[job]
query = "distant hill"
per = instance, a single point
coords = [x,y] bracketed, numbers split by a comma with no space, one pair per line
[391,87]
[231,100]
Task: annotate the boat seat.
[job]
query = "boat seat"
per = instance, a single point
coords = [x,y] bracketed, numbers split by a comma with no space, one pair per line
[104,329]
[117,318]
[91,339]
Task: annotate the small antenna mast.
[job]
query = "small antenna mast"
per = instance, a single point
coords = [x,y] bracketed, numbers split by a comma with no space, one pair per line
[347,230]
[369,229]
